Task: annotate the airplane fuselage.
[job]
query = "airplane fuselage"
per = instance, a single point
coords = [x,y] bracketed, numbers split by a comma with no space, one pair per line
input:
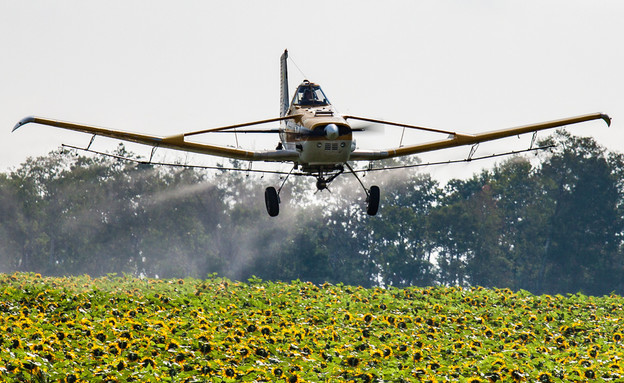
[317,132]
[320,137]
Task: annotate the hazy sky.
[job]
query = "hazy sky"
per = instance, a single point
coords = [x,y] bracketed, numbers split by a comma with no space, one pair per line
[165,67]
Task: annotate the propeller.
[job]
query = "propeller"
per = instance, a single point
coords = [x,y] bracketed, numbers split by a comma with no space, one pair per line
[332,131]
[369,128]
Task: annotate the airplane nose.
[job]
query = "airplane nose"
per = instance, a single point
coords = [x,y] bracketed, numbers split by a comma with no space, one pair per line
[331,131]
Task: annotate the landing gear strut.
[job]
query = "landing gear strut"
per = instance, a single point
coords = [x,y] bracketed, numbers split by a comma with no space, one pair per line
[272,200]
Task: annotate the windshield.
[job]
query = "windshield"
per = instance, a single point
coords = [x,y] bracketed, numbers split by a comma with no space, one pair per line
[310,95]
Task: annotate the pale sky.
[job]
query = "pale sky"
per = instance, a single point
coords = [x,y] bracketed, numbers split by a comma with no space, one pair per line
[165,67]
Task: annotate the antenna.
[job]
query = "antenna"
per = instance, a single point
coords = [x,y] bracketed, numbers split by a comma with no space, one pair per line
[297,66]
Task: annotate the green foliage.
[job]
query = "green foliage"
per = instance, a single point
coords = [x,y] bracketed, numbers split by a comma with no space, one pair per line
[119,329]
[551,228]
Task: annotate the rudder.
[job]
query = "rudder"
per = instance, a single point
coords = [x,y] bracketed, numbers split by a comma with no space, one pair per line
[284,102]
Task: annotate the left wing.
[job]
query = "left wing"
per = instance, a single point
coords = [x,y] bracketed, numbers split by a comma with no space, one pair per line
[177,141]
[457,139]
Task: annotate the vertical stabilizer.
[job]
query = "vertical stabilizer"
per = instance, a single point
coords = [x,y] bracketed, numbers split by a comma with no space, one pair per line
[284,101]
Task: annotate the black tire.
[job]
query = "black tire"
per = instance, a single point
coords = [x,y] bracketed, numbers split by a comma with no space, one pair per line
[373,200]
[271,199]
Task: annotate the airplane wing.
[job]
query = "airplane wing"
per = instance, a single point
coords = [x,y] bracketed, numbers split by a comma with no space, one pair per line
[177,141]
[458,139]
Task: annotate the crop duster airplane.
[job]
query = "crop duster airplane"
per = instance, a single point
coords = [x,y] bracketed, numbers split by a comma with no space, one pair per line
[313,136]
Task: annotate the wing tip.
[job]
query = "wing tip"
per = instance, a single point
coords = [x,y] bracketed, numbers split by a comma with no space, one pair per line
[24,121]
[606,118]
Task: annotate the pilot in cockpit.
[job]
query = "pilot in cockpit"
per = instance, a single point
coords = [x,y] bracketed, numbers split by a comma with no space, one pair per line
[310,94]
[308,97]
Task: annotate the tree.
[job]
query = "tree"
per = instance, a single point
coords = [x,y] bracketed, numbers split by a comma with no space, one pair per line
[468,226]
[400,242]
[584,231]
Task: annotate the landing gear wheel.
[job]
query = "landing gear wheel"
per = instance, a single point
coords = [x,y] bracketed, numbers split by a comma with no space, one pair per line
[373,200]
[271,199]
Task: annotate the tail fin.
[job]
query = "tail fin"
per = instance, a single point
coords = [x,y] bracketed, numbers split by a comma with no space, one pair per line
[284,99]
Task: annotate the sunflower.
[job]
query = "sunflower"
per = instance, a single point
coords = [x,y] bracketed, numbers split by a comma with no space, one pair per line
[517,375]
[229,372]
[120,365]
[261,352]
[352,361]
[244,351]
[205,348]
[172,345]
[434,366]
[589,373]
[97,351]
[205,370]
[387,352]
[180,357]
[147,362]
[592,352]
[13,366]
[100,336]
[15,343]
[499,365]
[29,365]
[114,349]
[60,335]
[133,357]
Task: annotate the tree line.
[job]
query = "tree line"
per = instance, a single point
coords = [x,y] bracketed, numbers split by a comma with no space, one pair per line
[551,224]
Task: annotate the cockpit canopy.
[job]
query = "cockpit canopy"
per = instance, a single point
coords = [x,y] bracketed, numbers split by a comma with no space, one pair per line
[310,94]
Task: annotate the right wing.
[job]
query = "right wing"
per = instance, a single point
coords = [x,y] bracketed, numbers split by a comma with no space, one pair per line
[178,141]
[457,139]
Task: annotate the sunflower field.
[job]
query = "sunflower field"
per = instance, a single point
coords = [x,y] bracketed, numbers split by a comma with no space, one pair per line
[125,329]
